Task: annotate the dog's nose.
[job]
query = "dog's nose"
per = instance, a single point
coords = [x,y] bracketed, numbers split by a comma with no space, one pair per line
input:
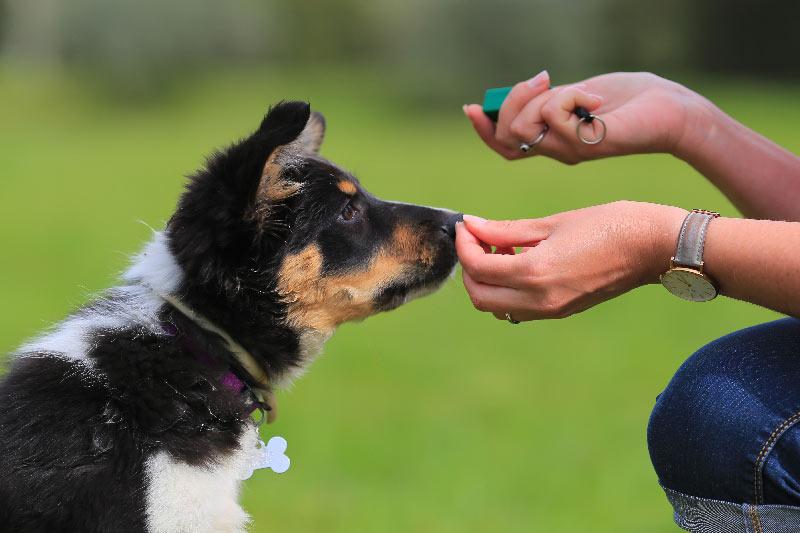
[449,226]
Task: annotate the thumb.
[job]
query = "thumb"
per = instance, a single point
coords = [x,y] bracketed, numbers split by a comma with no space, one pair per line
[506,233]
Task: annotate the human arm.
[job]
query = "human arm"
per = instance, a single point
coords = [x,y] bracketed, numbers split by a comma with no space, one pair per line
[577,259]
[647,114]
[761,178]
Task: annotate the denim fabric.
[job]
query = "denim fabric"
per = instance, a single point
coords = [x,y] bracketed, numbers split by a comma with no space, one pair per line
[724,435]
[703,515]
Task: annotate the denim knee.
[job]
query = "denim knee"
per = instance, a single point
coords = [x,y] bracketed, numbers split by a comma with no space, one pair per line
[726,425]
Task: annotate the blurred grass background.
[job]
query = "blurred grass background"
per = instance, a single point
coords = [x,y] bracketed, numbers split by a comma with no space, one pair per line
[435,417]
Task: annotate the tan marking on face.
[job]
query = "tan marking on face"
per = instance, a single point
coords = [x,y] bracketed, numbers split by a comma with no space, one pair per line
[323,302]
[347,187]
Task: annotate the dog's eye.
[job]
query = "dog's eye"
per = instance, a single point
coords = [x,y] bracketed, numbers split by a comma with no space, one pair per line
[349,212]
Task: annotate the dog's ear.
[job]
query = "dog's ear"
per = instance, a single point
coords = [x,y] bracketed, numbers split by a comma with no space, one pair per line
[302,130]
[243,192]
[276,185]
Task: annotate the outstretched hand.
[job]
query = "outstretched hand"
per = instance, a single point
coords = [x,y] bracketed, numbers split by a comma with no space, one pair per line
[569,261]
[643,112]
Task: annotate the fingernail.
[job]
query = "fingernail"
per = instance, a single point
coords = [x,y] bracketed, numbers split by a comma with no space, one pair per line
[596,96]
[464,109]
[539,80]
[474,220]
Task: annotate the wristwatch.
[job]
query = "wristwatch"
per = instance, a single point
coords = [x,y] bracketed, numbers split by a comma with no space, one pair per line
[685,277]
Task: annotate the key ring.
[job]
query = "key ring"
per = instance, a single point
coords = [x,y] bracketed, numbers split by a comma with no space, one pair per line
[526,147]
[588,118]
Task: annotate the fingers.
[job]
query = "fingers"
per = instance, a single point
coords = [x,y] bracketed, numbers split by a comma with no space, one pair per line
[520,95]
[555,110]
[494,134]
[558,111]
[508,233]
[477,259]
[528,124]
[493,299]
[484,127]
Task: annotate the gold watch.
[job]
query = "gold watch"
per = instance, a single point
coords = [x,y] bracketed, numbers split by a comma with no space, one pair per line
[685,277]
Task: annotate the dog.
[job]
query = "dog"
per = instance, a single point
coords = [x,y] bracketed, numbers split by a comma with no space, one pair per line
[134,413]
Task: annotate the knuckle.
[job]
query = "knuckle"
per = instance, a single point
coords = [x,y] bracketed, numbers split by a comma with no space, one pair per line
[469,270]
[518,129]
[532,275]
[478,302]
[550,307]
[569,159]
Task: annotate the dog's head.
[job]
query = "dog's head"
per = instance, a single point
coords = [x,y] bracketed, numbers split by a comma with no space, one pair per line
[271,236]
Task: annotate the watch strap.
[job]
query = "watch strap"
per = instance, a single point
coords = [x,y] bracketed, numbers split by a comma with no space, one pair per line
[692,239]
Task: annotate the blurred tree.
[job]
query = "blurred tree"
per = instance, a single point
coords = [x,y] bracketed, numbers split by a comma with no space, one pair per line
[743,37]
[430,51]
[649,36]
[316,31]
[136,46]
[30,30]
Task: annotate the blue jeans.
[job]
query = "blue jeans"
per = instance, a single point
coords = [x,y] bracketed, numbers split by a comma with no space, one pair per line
[724,435]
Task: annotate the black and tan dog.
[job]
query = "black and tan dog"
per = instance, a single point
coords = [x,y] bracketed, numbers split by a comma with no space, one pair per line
[133,414]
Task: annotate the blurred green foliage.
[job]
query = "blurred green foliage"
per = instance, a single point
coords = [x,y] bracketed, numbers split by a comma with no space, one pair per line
[136,49]
[432,418]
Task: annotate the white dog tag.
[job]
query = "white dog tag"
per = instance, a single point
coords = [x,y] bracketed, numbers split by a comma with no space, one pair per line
[270,455]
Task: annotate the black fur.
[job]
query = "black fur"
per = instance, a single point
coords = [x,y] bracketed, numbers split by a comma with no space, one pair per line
[75,435]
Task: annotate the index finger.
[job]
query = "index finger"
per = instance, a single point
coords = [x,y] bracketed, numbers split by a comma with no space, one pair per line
[522,93]
[484,127]
[477,259]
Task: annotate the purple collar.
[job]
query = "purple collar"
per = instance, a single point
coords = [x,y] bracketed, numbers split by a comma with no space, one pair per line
[228,379]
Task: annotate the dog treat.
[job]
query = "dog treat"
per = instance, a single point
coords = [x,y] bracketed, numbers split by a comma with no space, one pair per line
[493,99]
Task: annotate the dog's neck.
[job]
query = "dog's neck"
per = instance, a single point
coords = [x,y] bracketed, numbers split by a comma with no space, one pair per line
[261,390]
[271,349]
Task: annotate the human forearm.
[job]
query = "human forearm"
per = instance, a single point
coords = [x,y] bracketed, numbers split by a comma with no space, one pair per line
[756,261]
[577,259]
[761,178]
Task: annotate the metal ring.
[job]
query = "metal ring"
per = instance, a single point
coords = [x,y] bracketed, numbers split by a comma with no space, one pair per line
[528,146]
[591,141]
[262,418]
[511,319]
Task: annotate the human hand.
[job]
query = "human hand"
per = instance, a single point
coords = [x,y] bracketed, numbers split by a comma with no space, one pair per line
[570,261]
[643,113]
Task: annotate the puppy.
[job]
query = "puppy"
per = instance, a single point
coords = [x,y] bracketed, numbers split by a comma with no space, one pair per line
[134,413]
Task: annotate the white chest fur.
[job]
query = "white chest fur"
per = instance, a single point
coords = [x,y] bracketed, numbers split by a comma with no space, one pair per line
[182,498]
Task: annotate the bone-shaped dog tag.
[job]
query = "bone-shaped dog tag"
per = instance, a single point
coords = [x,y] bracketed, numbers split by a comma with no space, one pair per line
[270,455]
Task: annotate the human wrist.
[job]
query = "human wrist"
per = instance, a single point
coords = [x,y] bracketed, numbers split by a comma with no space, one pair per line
[665,225]
[701,124]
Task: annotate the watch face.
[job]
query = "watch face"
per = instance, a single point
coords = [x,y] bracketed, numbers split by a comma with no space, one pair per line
[689,284]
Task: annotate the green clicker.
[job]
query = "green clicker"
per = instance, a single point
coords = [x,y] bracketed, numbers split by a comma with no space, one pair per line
[493,99]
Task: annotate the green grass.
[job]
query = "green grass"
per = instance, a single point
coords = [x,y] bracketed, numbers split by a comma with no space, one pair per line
[432,418]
